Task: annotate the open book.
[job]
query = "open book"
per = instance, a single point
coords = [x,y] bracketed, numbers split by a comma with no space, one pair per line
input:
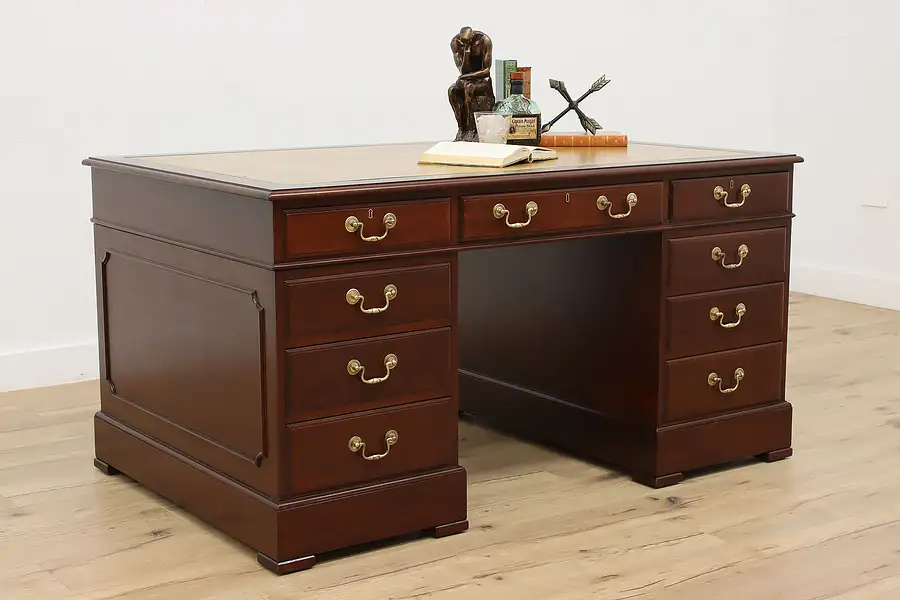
[477,154]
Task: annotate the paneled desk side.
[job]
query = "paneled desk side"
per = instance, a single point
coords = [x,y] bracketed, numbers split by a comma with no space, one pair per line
[287,336]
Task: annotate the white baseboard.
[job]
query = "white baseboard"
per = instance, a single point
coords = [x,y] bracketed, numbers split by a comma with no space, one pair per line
[50,366]
[871,290]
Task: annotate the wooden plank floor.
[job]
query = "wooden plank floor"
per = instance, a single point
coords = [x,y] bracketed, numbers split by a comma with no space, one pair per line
[823,524]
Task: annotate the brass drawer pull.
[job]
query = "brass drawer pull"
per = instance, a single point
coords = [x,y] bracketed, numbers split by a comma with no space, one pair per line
[501,211]
[356,444]
[720,193]
[354,297]
[603,203]
[715,314]
[352,224]
[718,255]
[354,367]
[714,380]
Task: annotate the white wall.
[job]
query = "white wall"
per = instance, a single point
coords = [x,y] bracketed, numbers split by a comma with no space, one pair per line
[837,104]
[105,76]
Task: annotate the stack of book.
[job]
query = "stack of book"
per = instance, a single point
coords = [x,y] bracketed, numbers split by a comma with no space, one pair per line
[502,68]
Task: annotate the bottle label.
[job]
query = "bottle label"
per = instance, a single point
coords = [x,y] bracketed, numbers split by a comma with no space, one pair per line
[523,128]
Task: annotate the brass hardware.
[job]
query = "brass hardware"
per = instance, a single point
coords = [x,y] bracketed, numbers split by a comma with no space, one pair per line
[715,314]
[356,444]
[719,255]
[719,193]
[354,367]
[501,211]
[352,224]
[567,197]
[354,297]
[603,203]
[714,380]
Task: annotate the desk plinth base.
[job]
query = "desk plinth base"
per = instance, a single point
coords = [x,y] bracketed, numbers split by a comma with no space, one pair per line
[653,456]
[286,566]
[287,535]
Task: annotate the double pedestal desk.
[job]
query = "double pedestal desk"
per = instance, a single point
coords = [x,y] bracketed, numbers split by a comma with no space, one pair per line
[287,337]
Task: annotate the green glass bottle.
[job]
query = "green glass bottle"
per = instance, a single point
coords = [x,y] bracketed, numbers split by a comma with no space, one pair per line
[525,125]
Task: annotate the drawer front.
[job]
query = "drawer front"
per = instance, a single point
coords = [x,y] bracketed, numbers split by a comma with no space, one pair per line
[368,229]
[712,262]
[711,384]
[730,197]
[507,215]
[368,303]
[714,321]
[359,375]
[333,452]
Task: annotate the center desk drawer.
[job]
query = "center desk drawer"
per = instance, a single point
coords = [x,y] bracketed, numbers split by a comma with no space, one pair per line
[368,229]
[351,376]
[714,321]
[528,213]
[373,445]
[356,304]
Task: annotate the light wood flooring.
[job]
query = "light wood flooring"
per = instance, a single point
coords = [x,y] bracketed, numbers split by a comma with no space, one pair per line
[823,524]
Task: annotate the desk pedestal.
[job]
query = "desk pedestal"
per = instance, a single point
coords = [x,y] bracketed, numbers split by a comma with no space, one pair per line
[575,344]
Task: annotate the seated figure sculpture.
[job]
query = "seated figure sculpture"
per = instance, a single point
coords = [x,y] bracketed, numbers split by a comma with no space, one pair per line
[473,90]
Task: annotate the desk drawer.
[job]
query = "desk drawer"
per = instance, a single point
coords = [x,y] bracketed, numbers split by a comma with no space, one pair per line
[400,368]
[710,262]
[368,229]
[413,438]
[506,215]
[711,384]
[709,322]
[357,304]
[730,197]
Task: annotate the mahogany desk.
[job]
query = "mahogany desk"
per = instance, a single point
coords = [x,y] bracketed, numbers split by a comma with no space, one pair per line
[286,337]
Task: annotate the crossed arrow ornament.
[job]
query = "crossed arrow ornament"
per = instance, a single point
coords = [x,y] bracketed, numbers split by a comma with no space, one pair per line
[589,124]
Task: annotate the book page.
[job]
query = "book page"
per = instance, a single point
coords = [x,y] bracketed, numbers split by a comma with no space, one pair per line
[473,149]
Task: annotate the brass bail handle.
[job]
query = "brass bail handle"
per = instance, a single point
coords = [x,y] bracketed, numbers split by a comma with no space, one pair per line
[718,255]
[352,224]
[603,203]
[714,380]
[356,444]
[501,211]
[720,193]
[355,297]
[717,315]
[354,367]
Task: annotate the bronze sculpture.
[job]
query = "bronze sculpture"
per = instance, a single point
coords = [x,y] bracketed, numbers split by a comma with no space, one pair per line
[473,91]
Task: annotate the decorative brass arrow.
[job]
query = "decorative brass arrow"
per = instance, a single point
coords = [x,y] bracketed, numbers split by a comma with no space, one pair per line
[589,124]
